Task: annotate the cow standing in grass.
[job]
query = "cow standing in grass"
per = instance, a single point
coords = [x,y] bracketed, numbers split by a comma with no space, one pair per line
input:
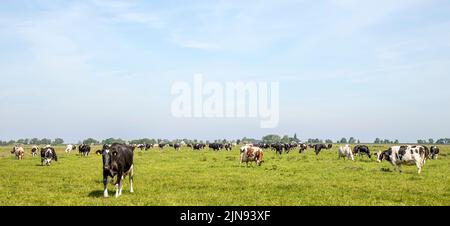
[18,152]
[362,150]
[117,162]
[70,148]
[34,150]
[404,155]
[434,152]
[48,154]
[346,152]
[84,149]
[319,147]
[249,153]
[303,148]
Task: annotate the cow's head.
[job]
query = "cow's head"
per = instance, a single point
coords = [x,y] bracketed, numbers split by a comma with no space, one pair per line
[379,156]
[383,155]
[106,157]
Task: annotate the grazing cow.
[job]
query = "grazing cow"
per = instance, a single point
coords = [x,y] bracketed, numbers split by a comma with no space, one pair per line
[228,147]
[278,148]
[161,146]
[117,161]
[319,147]
[303,148]
[346,151]
[99,152]
[18,152]
[148,146]
[199,146]
[404,155]
[84,149]
[434,152]
[176,146]
[215,146]
[34,150]
[70,148]
[362,150]
[141,146]
[249,153]
[48,154]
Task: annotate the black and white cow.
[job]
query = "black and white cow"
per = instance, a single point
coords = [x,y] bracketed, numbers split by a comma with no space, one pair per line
[117,162]
[48,154]
[404,155]
[362,150]
[278,147]
[141,146]
[319,147]
[177,146]
[228,146]
[70,148]
[215,146]
[434,152]
[84,149]
[303,147]
[34,150]
[199,146]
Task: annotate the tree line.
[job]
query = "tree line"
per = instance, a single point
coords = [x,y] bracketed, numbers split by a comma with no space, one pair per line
[271,138]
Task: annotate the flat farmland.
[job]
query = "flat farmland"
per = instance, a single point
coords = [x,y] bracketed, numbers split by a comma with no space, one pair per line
[208,178]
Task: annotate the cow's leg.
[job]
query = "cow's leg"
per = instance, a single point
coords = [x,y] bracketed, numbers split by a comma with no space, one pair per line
[118,185]
[131,179]
[105,185]
[419,166]
[121,185]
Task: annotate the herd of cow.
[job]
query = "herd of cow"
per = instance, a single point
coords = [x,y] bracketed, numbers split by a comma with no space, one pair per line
[118,158]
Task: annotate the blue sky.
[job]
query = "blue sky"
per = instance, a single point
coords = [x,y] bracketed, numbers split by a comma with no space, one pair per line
[98,68]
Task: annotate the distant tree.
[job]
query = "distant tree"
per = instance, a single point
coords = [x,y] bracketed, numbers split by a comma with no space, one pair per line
[58,141]
[377,141]
[351,140]
[34,141]
[343,140]
[11,142]
[295,139]
[45,141]
[359,141]
[421,141]
[431,141]
[328,141]
[238,141]
[396,142]
[271,138]
[91,141]
[112,141]
[285,139]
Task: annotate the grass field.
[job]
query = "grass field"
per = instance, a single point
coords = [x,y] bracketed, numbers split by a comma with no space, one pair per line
[192,178]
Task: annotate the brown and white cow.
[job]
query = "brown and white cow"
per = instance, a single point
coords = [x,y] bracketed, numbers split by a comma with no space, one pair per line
[404,155]
[249,153]
[18,152]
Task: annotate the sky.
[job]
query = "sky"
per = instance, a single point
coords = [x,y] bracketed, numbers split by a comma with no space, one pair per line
[99,68]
